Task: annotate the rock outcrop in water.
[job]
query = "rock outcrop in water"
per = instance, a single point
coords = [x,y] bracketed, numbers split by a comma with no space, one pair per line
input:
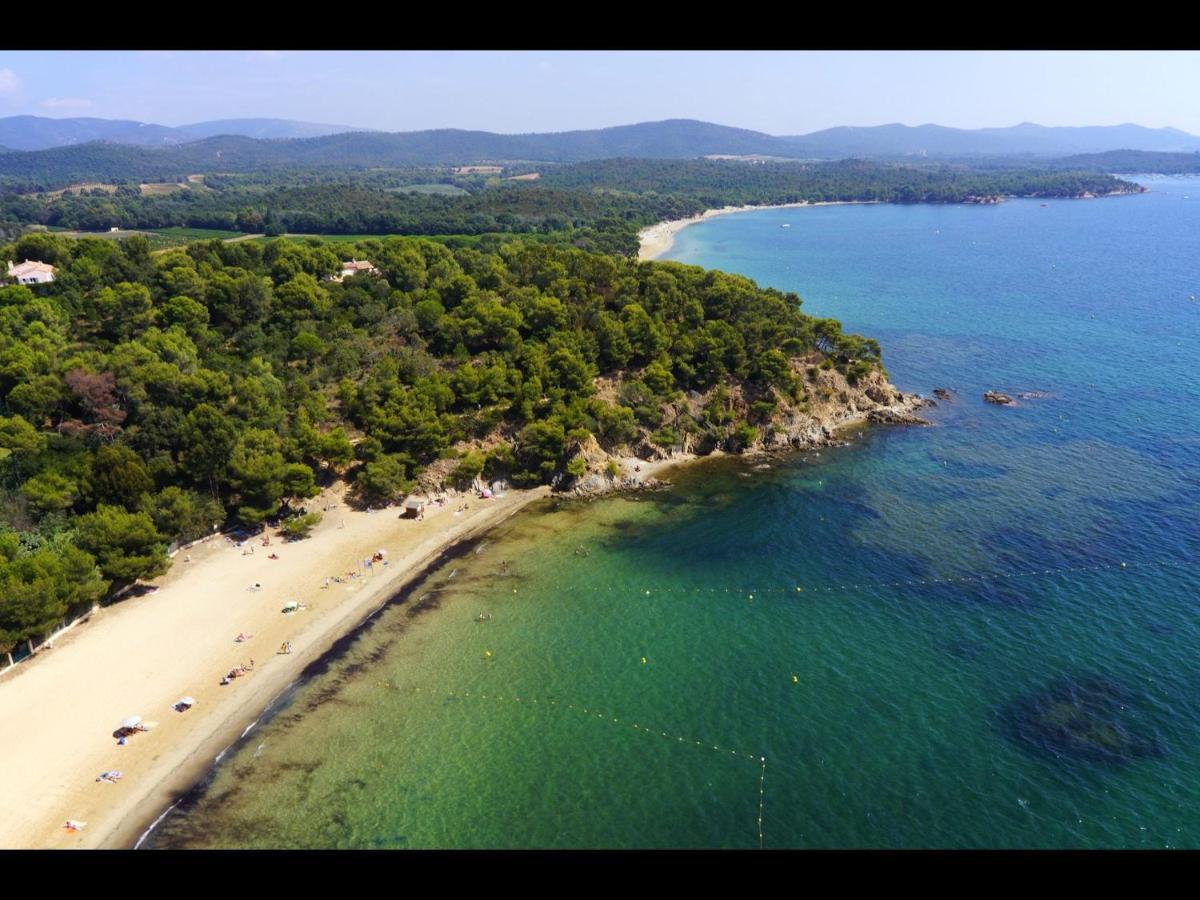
[823,403]
[998,398]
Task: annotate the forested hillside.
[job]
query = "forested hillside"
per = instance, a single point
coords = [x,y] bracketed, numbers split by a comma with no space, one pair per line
[595,206]
[147,398]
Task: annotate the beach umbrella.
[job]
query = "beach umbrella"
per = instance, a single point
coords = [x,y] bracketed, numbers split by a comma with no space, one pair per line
[381,552]
[486,493]
[131,722]
[290,606]
[185,701]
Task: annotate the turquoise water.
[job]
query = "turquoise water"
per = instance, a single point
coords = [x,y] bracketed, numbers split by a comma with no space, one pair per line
[928,634]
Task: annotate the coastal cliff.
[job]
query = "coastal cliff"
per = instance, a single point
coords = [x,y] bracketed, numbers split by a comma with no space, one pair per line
[823,404]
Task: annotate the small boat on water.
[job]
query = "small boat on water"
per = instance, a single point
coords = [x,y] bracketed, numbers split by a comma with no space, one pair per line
[785,225]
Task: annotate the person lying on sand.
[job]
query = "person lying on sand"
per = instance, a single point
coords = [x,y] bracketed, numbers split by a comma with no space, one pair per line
[242,636]
[72,825]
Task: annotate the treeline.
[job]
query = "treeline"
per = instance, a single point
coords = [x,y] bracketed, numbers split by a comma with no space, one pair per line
[719,182]
[591,220]
[595,206]
[1136,161]
[148,398]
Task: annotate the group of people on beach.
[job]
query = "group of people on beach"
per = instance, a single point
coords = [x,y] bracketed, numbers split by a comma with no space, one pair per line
[238,672]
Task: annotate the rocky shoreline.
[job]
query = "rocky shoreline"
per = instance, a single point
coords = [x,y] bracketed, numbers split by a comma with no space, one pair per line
[833,407]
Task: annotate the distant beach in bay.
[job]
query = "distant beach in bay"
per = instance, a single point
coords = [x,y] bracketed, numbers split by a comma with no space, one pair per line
[658,239]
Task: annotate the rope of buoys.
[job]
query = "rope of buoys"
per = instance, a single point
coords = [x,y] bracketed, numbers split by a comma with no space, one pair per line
[914,582]
[680,739]
[762,787]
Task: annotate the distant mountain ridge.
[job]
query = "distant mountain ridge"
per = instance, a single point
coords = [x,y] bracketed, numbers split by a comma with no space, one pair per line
[263,129]
[671,138]
[41,133]
[165,156]
[1026,138]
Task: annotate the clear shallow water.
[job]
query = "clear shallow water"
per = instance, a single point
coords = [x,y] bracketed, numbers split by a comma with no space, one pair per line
[1044,697]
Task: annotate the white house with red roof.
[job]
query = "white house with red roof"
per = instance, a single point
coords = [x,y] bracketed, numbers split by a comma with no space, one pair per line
[354,267]
[30,272]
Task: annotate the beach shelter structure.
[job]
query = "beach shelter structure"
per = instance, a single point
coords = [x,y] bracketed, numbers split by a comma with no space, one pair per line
[413,507]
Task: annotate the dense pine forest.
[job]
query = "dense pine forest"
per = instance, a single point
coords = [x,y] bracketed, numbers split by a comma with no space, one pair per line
[148,398]
[595,205]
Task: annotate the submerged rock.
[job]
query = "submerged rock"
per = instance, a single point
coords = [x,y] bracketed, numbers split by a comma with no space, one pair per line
[891,416]
[943,394]
[999,398]
[1089,719]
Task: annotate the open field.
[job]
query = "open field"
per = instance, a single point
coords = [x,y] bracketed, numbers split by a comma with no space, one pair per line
[74,189]
[196,234]
[161,188]
[446,189]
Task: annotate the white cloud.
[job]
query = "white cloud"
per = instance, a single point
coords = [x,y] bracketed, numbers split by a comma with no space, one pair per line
[66,103]
[9,83]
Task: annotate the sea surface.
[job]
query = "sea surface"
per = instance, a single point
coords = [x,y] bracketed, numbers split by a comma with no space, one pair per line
[985,633]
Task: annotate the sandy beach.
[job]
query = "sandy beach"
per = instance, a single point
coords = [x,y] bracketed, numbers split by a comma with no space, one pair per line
[138,656]
[658,239]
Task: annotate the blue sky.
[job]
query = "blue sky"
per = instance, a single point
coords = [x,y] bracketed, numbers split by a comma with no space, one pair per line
[519,91]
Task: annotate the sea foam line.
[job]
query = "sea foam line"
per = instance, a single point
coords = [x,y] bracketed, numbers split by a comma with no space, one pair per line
[153,825]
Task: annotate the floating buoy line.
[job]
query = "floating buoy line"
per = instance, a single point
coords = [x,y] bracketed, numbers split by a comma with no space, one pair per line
[750,592]
[636,726]
[792,590]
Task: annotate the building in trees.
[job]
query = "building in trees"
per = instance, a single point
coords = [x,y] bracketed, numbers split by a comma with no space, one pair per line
[30,272]
[354,267]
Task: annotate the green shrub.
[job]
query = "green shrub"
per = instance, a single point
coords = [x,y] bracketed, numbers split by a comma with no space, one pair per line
[298,527]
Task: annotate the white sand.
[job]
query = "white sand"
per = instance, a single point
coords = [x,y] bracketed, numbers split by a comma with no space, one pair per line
[658,239]
[137,657]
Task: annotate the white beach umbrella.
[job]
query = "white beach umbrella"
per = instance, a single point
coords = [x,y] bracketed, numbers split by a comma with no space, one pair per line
[131,722]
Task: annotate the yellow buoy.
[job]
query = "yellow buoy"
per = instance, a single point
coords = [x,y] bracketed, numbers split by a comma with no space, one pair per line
[643,660]
[795,679]
[487,653]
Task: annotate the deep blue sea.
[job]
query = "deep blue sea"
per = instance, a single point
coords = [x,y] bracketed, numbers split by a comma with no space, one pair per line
[985,633]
